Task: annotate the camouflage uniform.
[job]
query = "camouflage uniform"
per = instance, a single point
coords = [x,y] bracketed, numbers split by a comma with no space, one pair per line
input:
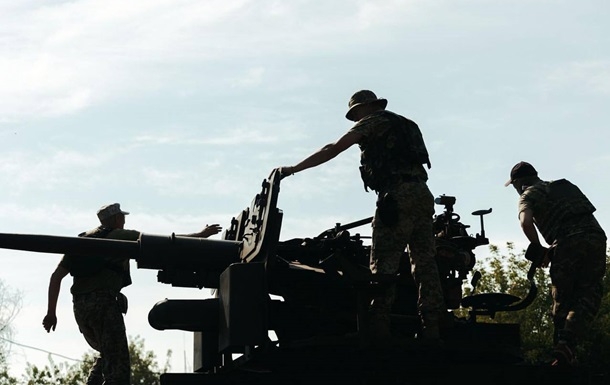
[99,315]
[411,225]
[578,263]
[99,319]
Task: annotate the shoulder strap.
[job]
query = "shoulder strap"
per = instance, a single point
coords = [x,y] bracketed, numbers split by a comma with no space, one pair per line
[99,232]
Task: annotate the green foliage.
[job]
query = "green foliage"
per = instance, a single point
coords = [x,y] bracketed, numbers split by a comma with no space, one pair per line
[60,374]
[508,274]
[5,377]
[144,368]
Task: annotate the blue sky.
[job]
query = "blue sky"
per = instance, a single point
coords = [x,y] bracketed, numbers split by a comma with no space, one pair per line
[179,109]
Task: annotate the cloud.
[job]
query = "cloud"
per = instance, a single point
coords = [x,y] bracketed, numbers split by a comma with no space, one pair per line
[252,77]
[46,171]
[584,77]
[62,57]
[174,183]
[272,132]
[41,85]
[48,217]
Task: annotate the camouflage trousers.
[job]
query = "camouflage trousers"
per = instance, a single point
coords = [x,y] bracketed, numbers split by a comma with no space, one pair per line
[577,271]
[100,320]
[413,231]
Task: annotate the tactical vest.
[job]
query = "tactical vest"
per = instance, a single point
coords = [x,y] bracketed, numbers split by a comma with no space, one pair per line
[398,148]
[566,205]
[87,266]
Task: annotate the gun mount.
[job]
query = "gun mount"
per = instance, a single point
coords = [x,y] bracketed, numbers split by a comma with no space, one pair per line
[312,293]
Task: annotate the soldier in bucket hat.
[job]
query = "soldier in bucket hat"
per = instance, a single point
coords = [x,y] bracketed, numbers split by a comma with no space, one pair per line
[392,157]
[577,256]
[98,303]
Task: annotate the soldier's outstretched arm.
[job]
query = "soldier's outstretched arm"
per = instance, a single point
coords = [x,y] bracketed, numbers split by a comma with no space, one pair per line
[50,320]
[208,231]
[324,154]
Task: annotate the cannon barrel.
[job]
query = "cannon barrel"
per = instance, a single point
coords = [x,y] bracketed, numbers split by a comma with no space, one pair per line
[73,245]
[150,251]
[186,253]
[181,260]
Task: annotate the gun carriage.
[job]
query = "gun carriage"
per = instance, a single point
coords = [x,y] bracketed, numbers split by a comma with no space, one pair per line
[294,310]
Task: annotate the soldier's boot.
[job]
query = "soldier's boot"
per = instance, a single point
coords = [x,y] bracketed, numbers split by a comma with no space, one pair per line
[95,374]
[563,355]
[564,351]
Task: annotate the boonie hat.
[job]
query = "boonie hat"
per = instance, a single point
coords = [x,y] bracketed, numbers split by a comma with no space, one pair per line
[109,210]
[360,98]
[521,170]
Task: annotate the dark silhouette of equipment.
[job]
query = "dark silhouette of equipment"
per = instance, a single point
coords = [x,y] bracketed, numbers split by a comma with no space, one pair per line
[293,311]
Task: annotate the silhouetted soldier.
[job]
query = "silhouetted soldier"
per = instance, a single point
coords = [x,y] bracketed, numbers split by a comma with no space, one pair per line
[392,157]
[564,217]
[98,303]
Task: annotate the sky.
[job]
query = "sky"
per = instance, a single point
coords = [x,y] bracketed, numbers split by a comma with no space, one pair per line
[178,110]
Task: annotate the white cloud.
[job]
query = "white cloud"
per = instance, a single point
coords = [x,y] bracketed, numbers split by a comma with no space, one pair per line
[582,77]
[272,133]
[196,182]
[23,170]
[59,219]
[62,57]
[39,84]
[252,77]
[371,14]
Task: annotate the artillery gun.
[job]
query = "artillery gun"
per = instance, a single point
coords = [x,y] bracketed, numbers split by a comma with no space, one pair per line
[294,311]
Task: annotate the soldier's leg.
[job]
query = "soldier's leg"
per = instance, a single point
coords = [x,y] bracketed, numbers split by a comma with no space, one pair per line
[388,247]
[86,315]
[114,346]
[588,259]
[96,376]
[562,287]
[425,274]
[422,254]
[564,275]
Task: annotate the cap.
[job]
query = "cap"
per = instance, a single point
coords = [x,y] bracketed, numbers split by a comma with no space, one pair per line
[360,98]
[521,170]
[109,210]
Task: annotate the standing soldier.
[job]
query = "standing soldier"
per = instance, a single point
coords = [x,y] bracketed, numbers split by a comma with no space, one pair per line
[98,303]
[392,157]
[577,254]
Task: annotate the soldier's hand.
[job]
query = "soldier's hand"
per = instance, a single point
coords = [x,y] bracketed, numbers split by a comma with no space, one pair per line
[548,256]
[49,322]
[211,230]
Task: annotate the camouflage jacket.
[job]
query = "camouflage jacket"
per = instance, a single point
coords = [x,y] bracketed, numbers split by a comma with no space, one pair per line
[559,210]
[106,273]
[392,149]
